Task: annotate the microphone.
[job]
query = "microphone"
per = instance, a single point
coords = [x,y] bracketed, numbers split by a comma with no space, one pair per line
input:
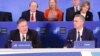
[8,45]
[70,43]
[10,40]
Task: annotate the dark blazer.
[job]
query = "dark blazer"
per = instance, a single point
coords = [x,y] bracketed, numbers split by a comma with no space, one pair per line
[88,17]
[70,12]
[87,35]
[39,15]
[5,16]
[32,35]
[99,14]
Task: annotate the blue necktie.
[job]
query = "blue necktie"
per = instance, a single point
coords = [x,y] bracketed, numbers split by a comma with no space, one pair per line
[78,36]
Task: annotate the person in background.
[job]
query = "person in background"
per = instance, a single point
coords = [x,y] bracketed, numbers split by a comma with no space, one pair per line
[99,14]
[33,14]
[70,12]
[23,33]
[85,7]
[79,33]
[53,13]
[5,16]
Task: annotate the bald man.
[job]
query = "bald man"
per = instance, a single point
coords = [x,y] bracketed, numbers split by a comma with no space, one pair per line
[33,15]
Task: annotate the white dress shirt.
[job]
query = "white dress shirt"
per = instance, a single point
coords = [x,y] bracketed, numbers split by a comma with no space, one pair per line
[83,14]
[34,14]
[78,7]
[21,37]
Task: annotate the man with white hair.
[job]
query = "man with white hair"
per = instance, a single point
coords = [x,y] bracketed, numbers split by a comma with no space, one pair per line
[33,14]
[79,33]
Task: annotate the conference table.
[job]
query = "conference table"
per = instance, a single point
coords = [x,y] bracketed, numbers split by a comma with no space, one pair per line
[59,29]
[51,52]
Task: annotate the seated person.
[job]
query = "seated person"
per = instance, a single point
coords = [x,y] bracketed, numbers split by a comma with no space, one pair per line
[53,13]
[33,14]
[79,33]
[5,16]
[23,33]
[70,12]
[85,11]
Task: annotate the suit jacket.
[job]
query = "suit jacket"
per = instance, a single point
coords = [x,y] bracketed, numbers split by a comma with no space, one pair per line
[5,16]
[31,36]
[39,15]
[87,35]
[99,14]
[70,12]
[88,17]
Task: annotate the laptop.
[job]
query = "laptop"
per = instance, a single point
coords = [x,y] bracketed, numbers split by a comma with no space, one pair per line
[84,44]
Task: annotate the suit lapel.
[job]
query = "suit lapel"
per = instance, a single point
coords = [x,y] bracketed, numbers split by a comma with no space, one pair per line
[17,36]
[73,10]
[28,36]
[28,15]
[83,34]
[74,34]
[37,16]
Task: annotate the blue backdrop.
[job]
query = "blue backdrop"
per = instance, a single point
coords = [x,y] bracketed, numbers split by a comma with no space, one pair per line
[17,6]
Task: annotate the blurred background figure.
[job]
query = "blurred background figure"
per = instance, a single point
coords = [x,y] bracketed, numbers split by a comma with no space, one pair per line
[53,13]
[85,7]
[5,16]
[99,15]
[71,11]
[33,14]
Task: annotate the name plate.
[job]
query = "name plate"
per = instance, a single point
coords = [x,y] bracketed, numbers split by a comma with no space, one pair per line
[84,44]
[21,45]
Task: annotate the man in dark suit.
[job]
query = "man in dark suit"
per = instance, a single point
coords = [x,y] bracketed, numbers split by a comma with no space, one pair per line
[33,14]
[5,16]
[24,34]
[70,12]
[79,33]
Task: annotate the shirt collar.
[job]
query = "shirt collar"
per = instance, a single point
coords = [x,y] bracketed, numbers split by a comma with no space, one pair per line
[81,30]
[32,12]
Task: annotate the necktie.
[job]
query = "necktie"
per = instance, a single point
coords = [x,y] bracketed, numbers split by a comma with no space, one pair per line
[32,17]
[76,9]
[78,36]
[23,38]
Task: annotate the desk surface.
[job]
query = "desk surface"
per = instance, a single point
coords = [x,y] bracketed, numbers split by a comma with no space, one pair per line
[44,50]
[50,52]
